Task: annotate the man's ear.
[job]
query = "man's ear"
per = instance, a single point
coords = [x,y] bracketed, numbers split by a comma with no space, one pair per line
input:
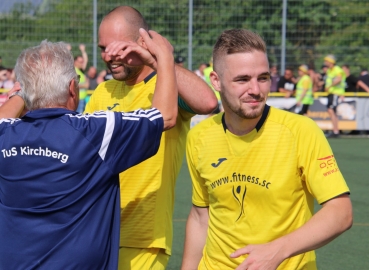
[73,89]
[73,95]
[141,42]
[215,80]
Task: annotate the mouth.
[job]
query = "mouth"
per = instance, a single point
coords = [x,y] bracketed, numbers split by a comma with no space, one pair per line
[114,67]
[253,101]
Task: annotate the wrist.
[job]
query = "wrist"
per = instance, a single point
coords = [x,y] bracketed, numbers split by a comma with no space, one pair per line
[15,93]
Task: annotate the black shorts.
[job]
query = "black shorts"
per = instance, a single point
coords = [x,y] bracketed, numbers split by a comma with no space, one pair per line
[332,101]
[304,109]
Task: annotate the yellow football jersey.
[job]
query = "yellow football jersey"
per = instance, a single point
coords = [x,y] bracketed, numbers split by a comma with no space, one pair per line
[259,186]
[147,189]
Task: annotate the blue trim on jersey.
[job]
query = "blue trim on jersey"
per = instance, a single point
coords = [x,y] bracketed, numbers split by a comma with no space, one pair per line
[149,77]
[59,185]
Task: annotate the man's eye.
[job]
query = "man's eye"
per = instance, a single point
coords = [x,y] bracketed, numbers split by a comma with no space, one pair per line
[264,78]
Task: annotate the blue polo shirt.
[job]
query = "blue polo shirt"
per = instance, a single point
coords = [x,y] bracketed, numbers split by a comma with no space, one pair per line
[59,188]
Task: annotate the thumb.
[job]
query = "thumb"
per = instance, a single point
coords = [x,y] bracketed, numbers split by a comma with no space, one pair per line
[241,251]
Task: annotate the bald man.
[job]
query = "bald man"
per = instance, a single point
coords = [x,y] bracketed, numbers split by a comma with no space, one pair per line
[148,195]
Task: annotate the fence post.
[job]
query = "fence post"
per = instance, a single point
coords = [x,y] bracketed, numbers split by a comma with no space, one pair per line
[190,23]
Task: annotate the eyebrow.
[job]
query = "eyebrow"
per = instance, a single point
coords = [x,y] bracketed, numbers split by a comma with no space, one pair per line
[249,77]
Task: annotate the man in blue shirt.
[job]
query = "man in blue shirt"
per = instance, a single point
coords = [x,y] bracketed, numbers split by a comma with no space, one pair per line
[59,188]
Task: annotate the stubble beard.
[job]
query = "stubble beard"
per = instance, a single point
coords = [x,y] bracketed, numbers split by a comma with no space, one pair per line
[241,112]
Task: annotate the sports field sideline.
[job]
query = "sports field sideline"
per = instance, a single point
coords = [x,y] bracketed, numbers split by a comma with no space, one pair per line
[350,250]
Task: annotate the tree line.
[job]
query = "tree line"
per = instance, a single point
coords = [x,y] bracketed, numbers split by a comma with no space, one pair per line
[314,27]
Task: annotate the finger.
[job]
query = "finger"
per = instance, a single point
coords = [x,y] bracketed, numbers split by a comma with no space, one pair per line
[147,38]
[241,251]
[16,87]
[115,48]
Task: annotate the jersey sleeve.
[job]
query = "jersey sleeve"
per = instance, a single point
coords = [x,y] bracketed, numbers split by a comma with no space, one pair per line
[318,165]
[200,195]
[131,138]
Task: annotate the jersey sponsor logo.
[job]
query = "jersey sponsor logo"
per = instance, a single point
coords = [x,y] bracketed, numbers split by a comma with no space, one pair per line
[28,151]
[328,165]
[239,177]
[220,160]
[112,107]
[239,193]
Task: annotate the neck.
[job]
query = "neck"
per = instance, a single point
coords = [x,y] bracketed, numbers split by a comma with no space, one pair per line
[239,126]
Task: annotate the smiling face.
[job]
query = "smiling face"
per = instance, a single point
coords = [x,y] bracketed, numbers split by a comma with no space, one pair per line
[117,30]
[243,80]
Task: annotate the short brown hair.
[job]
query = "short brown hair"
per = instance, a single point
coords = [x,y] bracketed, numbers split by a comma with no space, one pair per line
[236,41]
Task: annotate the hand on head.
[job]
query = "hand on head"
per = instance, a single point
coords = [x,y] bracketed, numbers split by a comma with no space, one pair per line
[154,47]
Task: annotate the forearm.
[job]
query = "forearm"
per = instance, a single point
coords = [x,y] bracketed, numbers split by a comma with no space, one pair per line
[362,85]
[166,94]
[195,91]
[196,233]
[12,108]
[282,90]
[333,219]
[85,59]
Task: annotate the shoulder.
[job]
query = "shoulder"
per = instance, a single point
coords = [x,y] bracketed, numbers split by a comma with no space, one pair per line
[206,127]
[107,86]
[296,124]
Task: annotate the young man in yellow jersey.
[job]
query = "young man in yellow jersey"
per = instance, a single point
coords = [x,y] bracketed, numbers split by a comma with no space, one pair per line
[335,87]
[147,194]
[254,175]
[304,91]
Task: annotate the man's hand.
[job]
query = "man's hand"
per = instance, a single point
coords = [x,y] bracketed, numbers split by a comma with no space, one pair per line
[82,47]
[16,88]
[153,47]
[261,257]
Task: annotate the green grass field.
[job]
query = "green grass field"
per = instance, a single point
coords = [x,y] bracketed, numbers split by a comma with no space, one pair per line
[350,250]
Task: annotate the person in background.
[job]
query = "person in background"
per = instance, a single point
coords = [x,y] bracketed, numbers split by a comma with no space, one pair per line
[147,194]
[274,77]
[351,80]
[287,83]
[207,72]
[255,177]
[3,76]
[315,77]
[335,87]
[92,77]
[363,81]
[304,91]
[60,208]
[180,60]
[322,78]
[104,76]
[200,71]
[80,64]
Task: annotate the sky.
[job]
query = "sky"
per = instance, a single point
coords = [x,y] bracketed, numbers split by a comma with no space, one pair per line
[6,5]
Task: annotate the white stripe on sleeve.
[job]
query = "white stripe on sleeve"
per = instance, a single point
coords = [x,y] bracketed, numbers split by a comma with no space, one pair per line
[108,133]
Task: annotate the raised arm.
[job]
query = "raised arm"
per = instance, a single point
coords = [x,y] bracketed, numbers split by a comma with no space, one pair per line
[82,48]
[157,53]
[195,91]
[14,106]
[196,233]
[334,218]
